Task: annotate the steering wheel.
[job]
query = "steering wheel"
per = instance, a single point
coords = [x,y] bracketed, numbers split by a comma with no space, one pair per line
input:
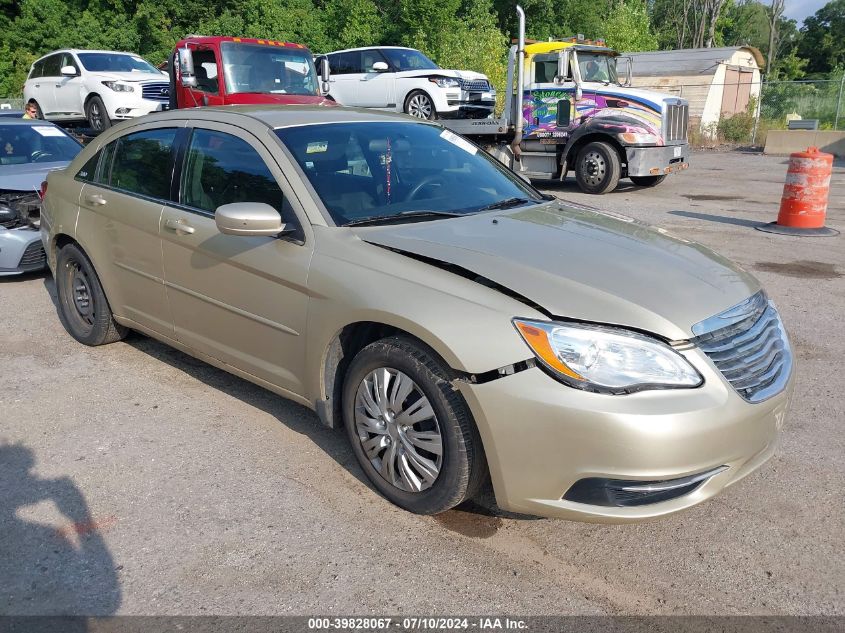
[37,155]
[422,184]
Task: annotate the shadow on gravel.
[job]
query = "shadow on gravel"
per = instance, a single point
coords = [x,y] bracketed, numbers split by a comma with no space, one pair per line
[722,219]
[46,570]
[333,442]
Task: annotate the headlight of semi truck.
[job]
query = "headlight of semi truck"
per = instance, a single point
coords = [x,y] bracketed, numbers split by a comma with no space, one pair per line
[606,359]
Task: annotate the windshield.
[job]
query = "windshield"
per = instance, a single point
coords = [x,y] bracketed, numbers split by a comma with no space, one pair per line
[363,171]
[408,59]
[44,143]
[115,63]
[268,69]
[595,67]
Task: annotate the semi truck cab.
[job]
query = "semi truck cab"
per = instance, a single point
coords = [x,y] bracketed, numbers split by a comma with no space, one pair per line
[210,71]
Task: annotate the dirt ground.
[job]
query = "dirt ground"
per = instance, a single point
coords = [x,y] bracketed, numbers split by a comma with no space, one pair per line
[136,480]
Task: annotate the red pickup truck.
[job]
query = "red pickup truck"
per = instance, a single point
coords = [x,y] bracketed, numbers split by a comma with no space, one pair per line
[209,71]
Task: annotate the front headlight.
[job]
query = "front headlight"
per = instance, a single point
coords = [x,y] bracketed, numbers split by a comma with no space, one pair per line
[445,82]
[118,86]
[606,359]
[639,139]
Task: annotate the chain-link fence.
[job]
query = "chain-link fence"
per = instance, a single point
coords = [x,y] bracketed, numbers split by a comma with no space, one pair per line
[818,101]
[11,103]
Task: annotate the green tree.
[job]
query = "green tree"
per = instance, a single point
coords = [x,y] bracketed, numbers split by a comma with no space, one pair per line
[823,39]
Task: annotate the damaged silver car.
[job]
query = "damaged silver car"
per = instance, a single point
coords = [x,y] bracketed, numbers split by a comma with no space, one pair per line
[29,150]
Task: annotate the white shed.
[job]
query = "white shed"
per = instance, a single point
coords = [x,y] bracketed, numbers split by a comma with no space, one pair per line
[716,81]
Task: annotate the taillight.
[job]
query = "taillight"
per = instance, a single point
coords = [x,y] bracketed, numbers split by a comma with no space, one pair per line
[43,191]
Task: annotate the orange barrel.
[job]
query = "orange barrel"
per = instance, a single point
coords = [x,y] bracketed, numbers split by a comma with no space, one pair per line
[804,201]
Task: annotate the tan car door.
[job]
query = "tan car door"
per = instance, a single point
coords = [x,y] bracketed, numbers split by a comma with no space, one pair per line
[239,299]
[119,219]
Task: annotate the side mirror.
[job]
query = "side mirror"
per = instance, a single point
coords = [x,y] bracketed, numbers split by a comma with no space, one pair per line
[325,73]
[69,71]
[629,71]
[380,67]
[248,218]
[186,68]
[578,93]
[562,67]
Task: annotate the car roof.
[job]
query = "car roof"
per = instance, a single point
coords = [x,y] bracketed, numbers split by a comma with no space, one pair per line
[87,50]
[30,122]
[277,116]
[370,48]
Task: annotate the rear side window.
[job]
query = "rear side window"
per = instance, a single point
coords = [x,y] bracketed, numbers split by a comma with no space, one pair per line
[88,173]
[346,63]
[37,69]
[142,163]
[52,66]
[221,169]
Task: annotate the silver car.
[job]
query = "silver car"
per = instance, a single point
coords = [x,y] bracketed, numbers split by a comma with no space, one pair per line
[29,150]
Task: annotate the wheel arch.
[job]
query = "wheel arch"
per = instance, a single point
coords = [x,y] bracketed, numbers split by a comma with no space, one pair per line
[342,348]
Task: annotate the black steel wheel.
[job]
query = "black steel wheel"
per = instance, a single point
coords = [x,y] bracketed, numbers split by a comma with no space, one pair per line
[597,168]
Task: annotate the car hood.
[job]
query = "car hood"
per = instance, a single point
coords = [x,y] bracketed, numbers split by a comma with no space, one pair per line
[442,72]
[131,76]
[27,177]
[582,264]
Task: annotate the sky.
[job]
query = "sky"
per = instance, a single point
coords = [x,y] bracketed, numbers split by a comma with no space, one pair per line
[800,9]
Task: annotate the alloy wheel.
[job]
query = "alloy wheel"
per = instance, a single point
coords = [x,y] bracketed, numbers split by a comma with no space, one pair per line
[95,116]
[398,430]
[420,106]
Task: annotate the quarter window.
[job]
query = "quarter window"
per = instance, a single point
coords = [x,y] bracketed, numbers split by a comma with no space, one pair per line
[142,163]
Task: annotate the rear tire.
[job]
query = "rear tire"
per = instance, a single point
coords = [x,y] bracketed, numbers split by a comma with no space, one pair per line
[83,308]
[648,181]
[597,168]
[410,430]
[98,117]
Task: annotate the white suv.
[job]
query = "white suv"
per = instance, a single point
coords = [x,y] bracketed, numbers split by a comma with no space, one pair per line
[405,80]
[97,86]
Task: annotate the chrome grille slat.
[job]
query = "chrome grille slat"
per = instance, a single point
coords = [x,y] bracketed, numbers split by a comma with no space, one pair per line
[749,346]
[474,85]
[676,122]
[153,91]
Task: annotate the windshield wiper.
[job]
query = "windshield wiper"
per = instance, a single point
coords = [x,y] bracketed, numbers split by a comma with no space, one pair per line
[507,204]
[380,219]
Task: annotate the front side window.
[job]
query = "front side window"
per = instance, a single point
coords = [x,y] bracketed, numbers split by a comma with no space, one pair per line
[68,60]
[545,68]
[41,143]
[408,59]
[142,163]
[205,67]
[221,169]
[595,67]
[268,69]
[373,171]
[116,63]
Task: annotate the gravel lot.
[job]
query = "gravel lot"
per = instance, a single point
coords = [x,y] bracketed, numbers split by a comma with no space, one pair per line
[160,485]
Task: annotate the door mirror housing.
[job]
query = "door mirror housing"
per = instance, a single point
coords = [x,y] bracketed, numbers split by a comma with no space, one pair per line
[248,218]
[186,68]
[562,67]
[629,71]
[69,71]
[576,74]
[323,66]
[380,67]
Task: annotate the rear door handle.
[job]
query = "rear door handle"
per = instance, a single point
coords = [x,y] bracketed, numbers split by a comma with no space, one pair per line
[179,226]
[95,199]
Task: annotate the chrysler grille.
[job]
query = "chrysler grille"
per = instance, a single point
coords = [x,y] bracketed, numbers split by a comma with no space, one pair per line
[156,91]
[475,85]
[675,121]
[748,344]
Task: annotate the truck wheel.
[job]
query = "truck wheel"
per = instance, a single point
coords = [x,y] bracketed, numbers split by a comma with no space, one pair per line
[597,168]
[98,117]
[419,105]
[648,181]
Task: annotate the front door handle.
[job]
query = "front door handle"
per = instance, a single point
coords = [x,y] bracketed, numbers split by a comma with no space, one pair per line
[95,199]
[180,226]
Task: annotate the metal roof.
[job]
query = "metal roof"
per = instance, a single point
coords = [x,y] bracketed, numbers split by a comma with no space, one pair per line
[688,61]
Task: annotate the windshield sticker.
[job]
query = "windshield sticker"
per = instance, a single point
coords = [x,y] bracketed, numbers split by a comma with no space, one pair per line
[44,130]
[317,147]
[456,140]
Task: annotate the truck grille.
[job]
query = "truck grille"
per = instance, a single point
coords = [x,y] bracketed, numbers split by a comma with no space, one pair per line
[156,91]
[475,85]
[675,121]
[748,344]
[33,256]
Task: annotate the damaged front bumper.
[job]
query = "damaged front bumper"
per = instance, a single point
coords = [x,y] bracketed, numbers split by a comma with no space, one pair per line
[21,250]
[657,161]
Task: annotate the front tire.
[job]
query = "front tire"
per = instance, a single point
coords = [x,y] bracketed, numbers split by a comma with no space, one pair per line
[412,433]
[97,115]
[648,181]
[419,105]
[597,168]
[83,308]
